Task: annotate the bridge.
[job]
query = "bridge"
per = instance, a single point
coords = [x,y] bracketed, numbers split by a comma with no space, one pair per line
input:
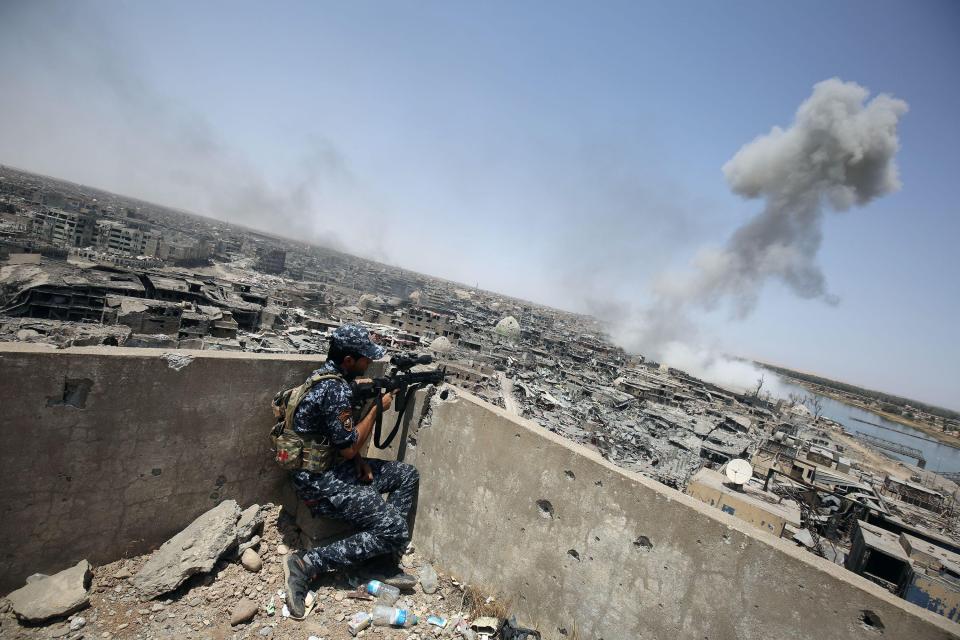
[894,447]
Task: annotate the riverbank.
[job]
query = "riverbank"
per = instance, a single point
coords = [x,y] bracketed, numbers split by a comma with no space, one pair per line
[926,428]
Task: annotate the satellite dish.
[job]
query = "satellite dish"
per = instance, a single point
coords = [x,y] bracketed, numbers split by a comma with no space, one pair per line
[739,471]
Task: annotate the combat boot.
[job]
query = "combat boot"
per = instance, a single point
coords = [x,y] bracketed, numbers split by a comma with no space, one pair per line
[390,569]
[297,574]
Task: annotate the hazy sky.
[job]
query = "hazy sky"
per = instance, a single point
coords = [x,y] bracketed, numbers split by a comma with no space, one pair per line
[568,153]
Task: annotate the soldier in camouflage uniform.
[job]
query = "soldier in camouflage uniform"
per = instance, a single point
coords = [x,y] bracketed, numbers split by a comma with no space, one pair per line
[350,489]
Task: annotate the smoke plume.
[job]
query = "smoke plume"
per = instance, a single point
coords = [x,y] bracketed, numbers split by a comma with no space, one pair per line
[838,153]
[119,131]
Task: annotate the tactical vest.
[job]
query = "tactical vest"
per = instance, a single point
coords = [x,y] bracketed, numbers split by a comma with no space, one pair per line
[291,449]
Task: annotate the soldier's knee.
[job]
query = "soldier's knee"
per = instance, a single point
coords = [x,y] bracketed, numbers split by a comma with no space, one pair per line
[394,531]
[410,473]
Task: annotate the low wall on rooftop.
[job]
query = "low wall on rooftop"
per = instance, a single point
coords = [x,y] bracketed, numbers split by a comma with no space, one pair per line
[579,544]
[107,451]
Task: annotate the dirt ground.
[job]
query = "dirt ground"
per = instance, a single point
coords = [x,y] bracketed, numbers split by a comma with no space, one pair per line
[202,607]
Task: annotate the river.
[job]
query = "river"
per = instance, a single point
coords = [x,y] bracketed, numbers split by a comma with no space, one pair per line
[939,457]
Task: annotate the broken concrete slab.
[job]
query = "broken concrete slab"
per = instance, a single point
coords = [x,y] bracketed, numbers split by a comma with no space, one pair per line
[55,596]
[194,550]
[251,521]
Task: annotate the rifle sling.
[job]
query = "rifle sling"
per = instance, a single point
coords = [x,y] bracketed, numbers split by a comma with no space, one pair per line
[401,409]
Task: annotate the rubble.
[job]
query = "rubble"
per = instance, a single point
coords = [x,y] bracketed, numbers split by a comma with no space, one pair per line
[251,521]
[428,579]
[227,601]
[193,550]
[56,596]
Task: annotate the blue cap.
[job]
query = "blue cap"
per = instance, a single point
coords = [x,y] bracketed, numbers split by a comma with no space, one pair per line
[350,337]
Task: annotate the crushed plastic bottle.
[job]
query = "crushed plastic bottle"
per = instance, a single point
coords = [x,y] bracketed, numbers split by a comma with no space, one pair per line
[385,616]
[385,593]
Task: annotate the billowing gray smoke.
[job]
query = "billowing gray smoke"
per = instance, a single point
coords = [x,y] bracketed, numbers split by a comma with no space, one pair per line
[838,153]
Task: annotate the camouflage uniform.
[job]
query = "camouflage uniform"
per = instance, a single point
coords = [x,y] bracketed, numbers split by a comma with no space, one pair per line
[383,527]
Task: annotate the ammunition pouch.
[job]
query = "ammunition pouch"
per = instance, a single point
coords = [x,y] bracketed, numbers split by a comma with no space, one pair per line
[318,456]
[292,450]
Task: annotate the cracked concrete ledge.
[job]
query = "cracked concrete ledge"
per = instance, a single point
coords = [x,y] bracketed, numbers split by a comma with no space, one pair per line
[177,361]
[107,451]
[34,347]
[574,539]
[571,537]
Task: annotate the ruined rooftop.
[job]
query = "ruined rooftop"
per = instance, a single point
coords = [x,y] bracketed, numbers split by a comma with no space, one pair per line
[577,545]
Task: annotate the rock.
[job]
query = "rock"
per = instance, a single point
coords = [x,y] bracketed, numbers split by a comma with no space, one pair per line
[249,544]
[77,623]
[194,550]
[251,561]
[59,595]
[428,578]
[122,574]
[266,631]
[243,612]
[283,549]
[156,607]
[251,521]
[36,577]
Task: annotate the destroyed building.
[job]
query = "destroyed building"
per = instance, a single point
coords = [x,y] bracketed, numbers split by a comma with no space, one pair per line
[543,367]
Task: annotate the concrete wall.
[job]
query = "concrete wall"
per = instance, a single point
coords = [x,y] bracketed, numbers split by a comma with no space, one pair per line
[578,543]
[108,451]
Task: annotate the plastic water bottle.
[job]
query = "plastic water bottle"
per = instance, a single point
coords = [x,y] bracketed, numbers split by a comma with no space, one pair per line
[393,617]
[385,593]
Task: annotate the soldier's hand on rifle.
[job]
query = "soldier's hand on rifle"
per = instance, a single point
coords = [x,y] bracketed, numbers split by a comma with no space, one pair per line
[364,472]
[386,400]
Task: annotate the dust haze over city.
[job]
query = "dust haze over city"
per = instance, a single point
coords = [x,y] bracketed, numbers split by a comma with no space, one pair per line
[681,236]
[597,217]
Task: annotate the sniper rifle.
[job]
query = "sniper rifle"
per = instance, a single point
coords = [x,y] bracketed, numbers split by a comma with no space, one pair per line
[401,380]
